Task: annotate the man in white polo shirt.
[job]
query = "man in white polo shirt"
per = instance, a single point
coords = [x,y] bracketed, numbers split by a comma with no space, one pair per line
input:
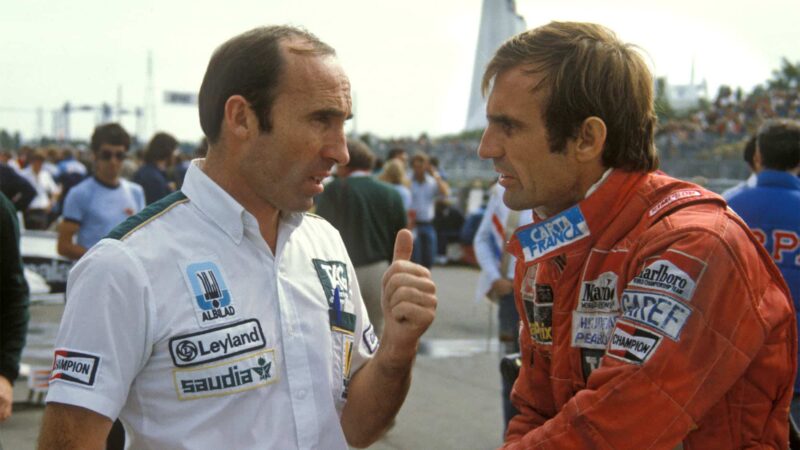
[223,316]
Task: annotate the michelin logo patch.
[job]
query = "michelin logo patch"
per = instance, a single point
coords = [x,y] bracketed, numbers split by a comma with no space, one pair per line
[592,330]
[229,377]
[673,272]
[371,340]
[215,344]
[212,298]
[554,233]
[75,367]
[632,344]
[657,311]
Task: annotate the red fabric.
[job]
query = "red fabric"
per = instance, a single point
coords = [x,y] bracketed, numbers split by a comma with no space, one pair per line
[720,370]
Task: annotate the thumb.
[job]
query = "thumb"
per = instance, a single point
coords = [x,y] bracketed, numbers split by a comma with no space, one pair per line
[403,245]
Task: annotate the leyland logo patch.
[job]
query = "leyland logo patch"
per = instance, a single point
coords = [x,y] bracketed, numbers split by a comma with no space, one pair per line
[75,367]
[216,344]
[212,298]
[673,272]
[556,232]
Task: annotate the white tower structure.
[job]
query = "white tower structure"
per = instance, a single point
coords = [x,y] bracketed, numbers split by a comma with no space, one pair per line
[499,21]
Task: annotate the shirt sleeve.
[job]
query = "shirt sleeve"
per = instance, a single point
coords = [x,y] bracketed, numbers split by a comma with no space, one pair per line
[485,251]
[14,298]
[104,339]
[74,205]
[673,357]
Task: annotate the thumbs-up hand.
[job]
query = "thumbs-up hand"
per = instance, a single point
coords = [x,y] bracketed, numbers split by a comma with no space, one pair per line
[408,302]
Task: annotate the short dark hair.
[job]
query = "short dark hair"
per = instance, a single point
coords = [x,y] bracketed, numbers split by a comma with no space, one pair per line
[779,144]
[249,65]
[160,148]
[110,133]
[750,152]
[361,156]
[395,152]
[587,71]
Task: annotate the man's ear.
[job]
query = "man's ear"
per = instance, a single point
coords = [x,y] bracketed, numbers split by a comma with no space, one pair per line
[239,120]
[590,140]
[757,160]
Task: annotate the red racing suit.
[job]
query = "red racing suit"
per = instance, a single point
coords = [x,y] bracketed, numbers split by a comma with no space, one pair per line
[651,318]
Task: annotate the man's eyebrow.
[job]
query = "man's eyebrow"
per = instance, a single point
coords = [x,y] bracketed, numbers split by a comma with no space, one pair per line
[502,119]
[331,112]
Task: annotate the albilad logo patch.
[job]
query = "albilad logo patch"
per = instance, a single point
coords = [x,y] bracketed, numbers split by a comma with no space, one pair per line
[212,298]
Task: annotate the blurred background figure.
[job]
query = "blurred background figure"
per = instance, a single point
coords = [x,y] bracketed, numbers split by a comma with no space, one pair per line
[749,155]
[152,175]
[13,304]
[99,203]
[368,214]
[394,173]
[426,186]
[38,216]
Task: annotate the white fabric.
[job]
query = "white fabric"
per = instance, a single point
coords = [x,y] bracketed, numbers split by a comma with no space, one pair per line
[127,298]
[45,186]
[488,238]
[423,198]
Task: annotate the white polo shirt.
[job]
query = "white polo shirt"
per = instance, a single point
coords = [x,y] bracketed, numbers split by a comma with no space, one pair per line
[185,325]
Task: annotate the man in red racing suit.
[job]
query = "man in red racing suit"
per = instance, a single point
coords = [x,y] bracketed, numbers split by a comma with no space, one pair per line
[659,320]
[652,318]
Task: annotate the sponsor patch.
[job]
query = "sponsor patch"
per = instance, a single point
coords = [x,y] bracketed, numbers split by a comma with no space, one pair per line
[539,312]
[333,276]
[591,359]
[673,272]
[632,344]
[592,330]
[216,344]
[599,294]
[657,311]
[212,298]
[75,367]
[672,198]
[347,358]
[229,377]
[552,234]
[371,340]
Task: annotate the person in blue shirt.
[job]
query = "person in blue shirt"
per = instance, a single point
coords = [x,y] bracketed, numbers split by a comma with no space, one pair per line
[772,207]
[152,176]
[99,203]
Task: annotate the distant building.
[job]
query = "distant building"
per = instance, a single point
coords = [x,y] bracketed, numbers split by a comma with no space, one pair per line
[499,21]
[683,97]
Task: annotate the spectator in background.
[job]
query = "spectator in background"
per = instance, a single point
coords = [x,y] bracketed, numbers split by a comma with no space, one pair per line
[772,207]
[400,154]
[39,213]
[70,173]
[426,186]
[394,173]
[16,187]
[368,214]
[13,305]
[496,281]
[749,153]
[99,203]
[152,175]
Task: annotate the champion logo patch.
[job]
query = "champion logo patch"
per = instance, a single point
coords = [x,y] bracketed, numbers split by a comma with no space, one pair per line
[552,234]
[632,344]
[212,299]
[75,367]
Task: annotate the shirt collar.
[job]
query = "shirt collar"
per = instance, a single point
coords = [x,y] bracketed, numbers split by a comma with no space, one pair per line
[778,178]
[214,202]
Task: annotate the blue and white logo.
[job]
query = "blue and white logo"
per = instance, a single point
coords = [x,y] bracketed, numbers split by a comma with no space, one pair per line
[212,298]
[556,232]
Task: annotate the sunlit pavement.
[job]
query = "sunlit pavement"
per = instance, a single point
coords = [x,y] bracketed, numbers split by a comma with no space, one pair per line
[454,401]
